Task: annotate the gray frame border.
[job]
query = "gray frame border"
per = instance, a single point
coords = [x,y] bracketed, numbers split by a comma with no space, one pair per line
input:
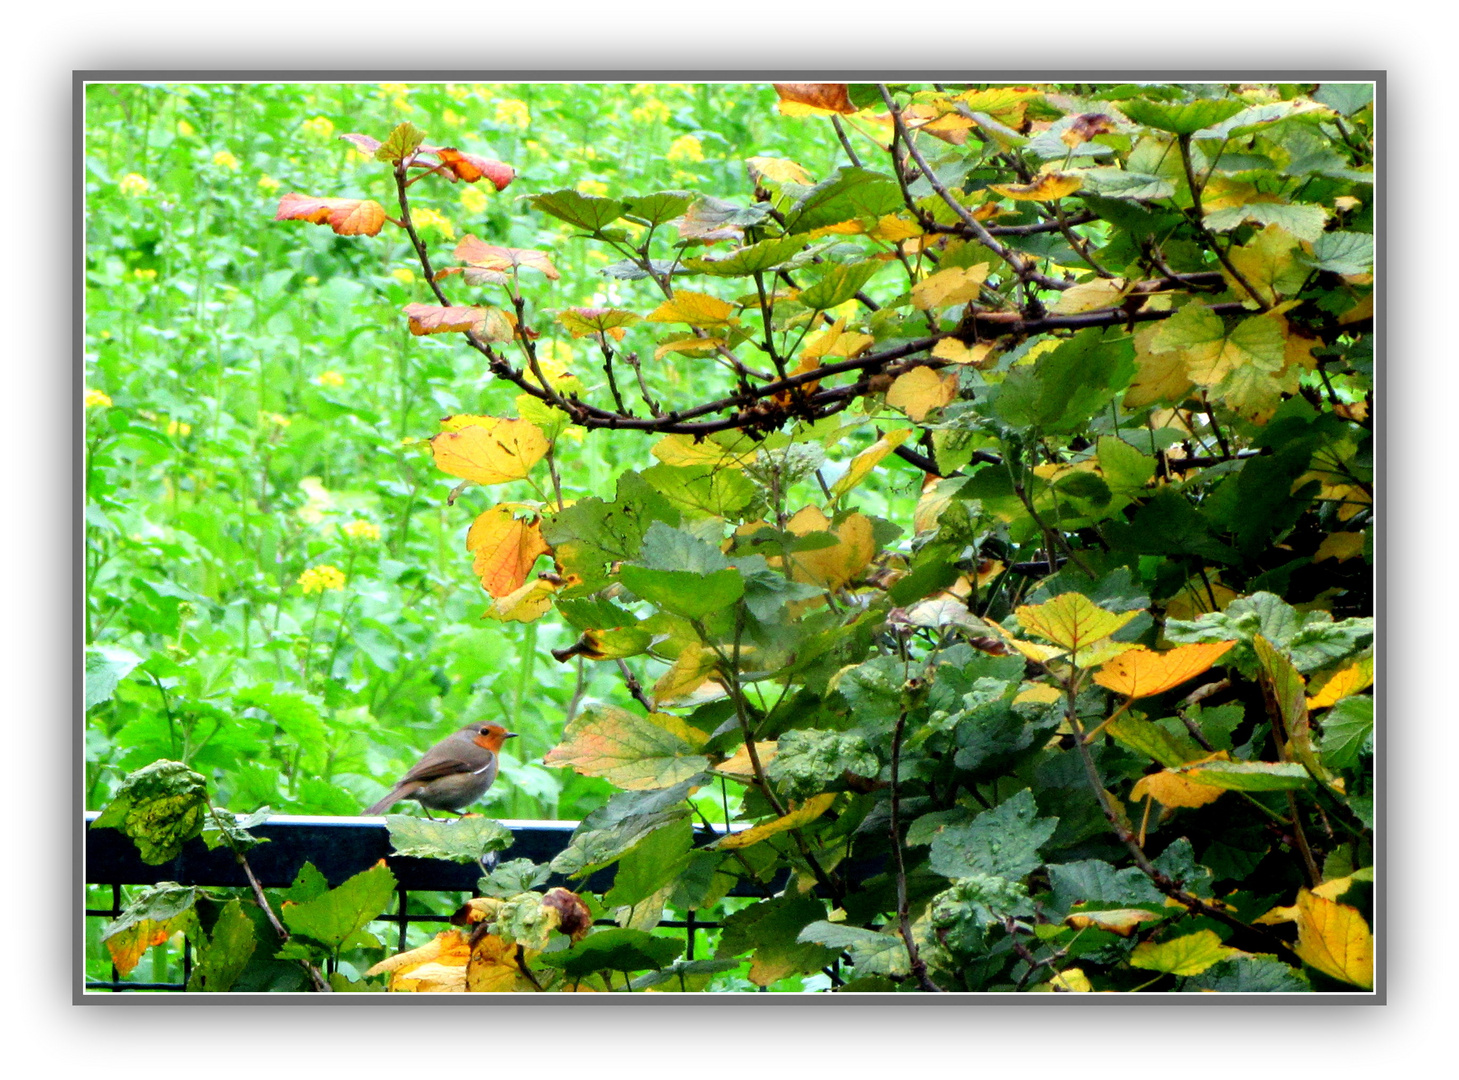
[81,78]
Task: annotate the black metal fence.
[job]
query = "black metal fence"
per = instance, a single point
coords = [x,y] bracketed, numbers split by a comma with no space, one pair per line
[338,847]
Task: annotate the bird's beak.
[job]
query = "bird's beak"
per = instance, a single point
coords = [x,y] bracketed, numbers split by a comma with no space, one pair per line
[510,735]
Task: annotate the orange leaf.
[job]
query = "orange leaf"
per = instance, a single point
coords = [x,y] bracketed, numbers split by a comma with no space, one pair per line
[505,548]
[347,217]
[1143,673]
[808,99]
[433,319]
[490,257]
[471,168]
[1170,787]
[504,450]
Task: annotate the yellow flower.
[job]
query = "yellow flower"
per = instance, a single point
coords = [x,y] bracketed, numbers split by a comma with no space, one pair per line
[650,112]
[330,378]
[394,89]
[94,398]
[184,128]
[403,274]
[592,187]
[458,93]
[685,148]
[311,280]
[224,160]
[513,112]
[321,579]
[177,427]
[452,117]
[134,184]
[144,274]
[474,200]
[319,127]
[426,218]
[268,183]
[362,530]
[278,419]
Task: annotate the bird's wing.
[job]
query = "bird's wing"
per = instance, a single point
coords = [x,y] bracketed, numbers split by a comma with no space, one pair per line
[447,766]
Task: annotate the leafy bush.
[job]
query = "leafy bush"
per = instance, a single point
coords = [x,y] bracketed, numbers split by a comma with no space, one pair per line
[1001,578]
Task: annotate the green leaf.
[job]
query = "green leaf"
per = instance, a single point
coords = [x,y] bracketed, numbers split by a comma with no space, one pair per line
[838,285]
[684,974]
[960,914]
[1250,775]
[1189,955]
[401,143]
[810,761]
[1346,98]
[1343,252]
[651,863]
[851,194]
[590,534]
[1250,975]
[463,840]
[755,258]
[1181,119]
[661,206]
[1172,749]
[106,666]
[1311,638]
[628,817]
[1065,387]
[1347,730]
[1093,881]
[693,596]
[221,827]
[1116,183]
[333,917]
[1002,842]
[871,952]
[223,954]
[586,212]
[1302,220]
[702,490]
[614,950]
[513,878]
[161,807]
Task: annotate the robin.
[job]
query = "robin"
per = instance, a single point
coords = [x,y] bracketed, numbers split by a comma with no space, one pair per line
[454,773]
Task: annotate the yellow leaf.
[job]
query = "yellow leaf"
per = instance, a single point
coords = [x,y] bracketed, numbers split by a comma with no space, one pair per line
[955,352]
[505,548]
[526,604]
[807,812]
[693,308]
[1122,921]
[1340,546]
[1196,595]
[1091,296]
[1189,955]
[777,170]
[631,751]
[1070,981]
[688,344]
[693,666]
[1047,188]
[919,391]
[1334,939]
[493,968]
[1158,376]
[1268,263]
[1071,620]
[1353,679]
[832,567]
[1362,310]
[862,464]
[1039,694]
[891,228]
[1170,787]
[439,966]
[685,450]
[834,341]
[740,767]
[956,285]
[505,450]
[1143,673]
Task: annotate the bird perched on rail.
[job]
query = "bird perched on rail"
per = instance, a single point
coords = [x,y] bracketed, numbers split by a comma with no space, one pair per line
[454,773]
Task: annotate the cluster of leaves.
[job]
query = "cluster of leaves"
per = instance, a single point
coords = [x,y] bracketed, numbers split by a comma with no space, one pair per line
[1097,717]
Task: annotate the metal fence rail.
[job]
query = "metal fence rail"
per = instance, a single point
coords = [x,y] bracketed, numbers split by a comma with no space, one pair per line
[338,847]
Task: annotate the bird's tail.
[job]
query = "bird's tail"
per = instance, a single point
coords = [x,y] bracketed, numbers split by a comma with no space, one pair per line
[395,795]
